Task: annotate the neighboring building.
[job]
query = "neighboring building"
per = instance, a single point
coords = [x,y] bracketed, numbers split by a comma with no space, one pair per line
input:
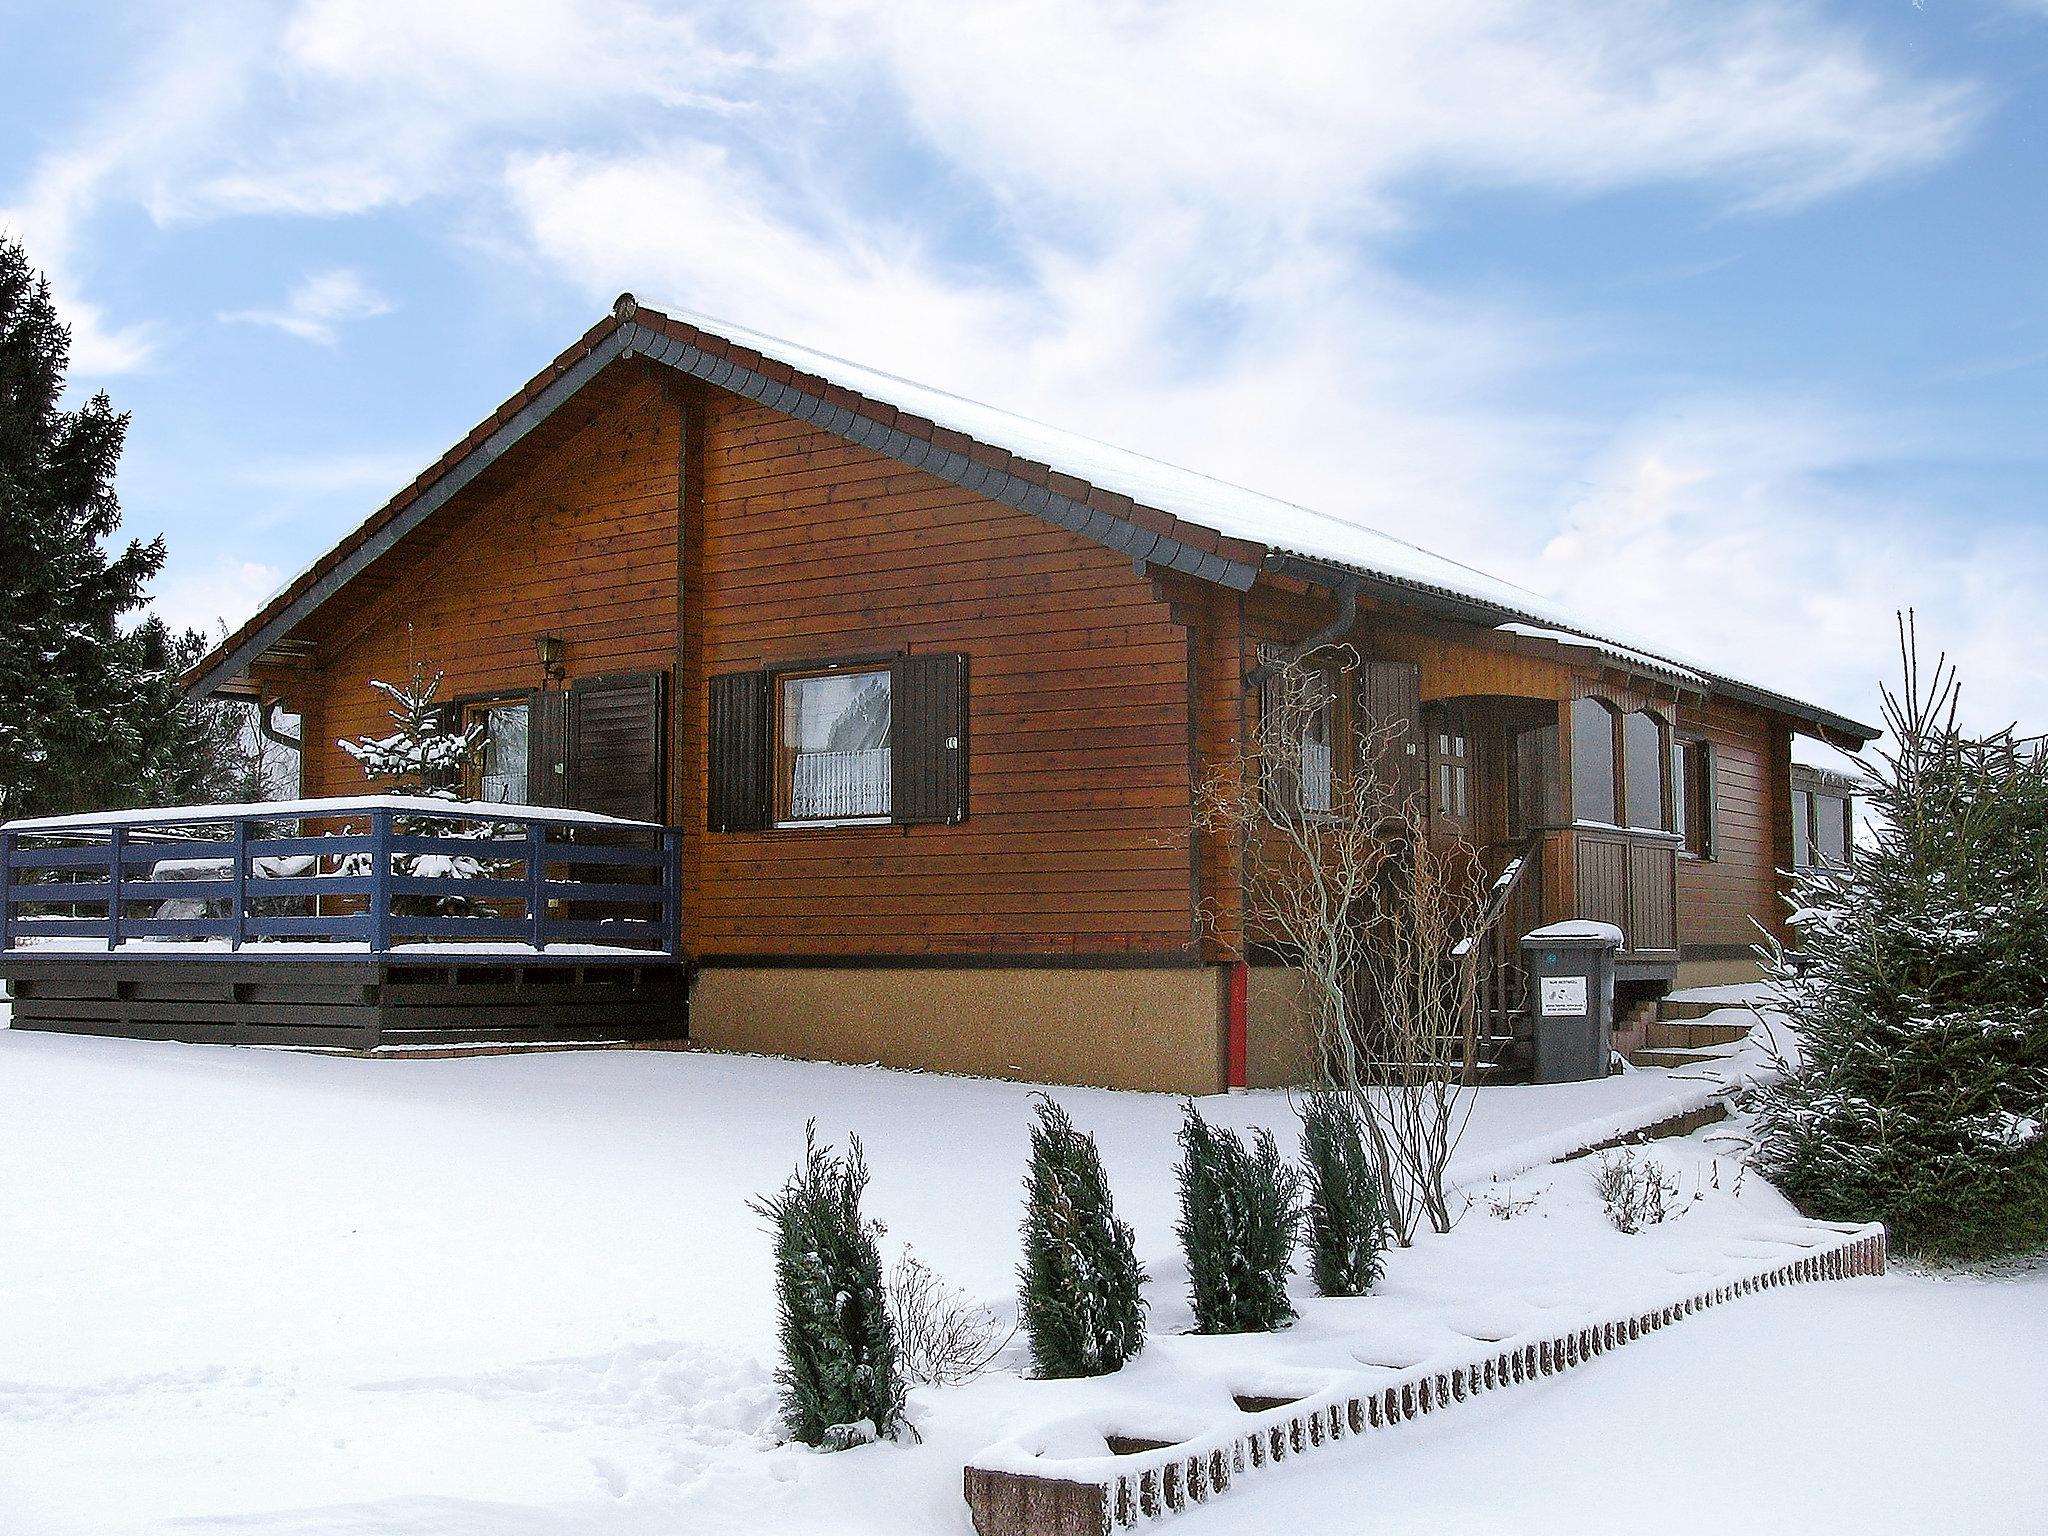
[927,688]
[1823,817]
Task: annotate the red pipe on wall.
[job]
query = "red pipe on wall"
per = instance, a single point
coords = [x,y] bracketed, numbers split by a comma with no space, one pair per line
[1235,1074]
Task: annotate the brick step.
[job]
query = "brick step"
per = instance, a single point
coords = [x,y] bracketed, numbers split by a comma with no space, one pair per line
[1663,1035]
[1678,1010]
[1676,1058]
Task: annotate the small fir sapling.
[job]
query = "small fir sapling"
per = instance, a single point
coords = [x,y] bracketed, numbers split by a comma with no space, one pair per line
[1346,1211]
[1240,1215]
[1079,1295]
[840,1378]
[427,757]
[1920,998]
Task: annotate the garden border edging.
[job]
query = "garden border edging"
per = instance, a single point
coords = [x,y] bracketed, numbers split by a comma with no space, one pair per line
[1012,1490]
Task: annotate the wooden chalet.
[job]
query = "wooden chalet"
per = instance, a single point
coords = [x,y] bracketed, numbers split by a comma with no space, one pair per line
[921,691]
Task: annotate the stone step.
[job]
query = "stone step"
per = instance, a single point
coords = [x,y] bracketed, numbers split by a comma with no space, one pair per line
[1653,1057]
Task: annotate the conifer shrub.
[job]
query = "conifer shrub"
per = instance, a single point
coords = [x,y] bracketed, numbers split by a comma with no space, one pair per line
[1079,1285]
[1240,1213]
[1920,1001]
[1346,1211]
[841,1383]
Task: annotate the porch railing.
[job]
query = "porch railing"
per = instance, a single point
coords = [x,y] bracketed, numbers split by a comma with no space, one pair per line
[381,872]
[1513,906]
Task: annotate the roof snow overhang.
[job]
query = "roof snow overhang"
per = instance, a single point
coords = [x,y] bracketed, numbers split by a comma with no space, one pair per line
[1223,534]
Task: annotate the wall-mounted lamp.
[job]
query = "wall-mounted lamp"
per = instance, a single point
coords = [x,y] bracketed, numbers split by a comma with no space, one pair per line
[549,649]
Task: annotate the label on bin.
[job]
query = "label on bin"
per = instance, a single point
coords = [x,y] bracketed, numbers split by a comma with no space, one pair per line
[1564,994]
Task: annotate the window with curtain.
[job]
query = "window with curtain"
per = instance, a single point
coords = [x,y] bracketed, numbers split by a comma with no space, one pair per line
[499,774]
[1644,761]
[832,747]
[1593,762]
[1298,706]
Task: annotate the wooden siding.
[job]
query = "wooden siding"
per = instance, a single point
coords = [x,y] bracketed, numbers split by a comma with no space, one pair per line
[573,534]
[810,549]
[1717,897]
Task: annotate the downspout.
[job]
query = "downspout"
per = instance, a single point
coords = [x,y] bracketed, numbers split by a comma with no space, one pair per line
[267,725]
[1337,629]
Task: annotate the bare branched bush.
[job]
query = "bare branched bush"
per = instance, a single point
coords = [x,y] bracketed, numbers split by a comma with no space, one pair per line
[1339,874]
[1636,1194]
[944,1337]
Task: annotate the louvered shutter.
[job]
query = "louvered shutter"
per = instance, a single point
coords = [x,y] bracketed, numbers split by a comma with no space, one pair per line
[738,798]
[1389,708]
[547,749]
[928,738]
[615,745]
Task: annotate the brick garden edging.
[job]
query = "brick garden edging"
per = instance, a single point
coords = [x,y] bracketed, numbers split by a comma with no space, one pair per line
[1099,1495]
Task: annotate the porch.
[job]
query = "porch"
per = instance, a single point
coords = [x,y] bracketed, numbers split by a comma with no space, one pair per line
[370,923]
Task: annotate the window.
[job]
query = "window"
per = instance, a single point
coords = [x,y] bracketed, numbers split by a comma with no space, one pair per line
[1692,795]
[1593,762]
[832,747]
[1831,829]
[1298,727]
[1643,761]
[499,774]
[853,745]
[1802,829]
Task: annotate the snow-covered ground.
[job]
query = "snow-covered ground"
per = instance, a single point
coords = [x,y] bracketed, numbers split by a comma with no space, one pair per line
[265,1292]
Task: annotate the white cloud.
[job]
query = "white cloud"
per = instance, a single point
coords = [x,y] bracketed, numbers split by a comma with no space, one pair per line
[214,597]
[318,305]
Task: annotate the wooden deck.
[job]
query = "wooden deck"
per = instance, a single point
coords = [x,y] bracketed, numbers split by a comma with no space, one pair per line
[289,926]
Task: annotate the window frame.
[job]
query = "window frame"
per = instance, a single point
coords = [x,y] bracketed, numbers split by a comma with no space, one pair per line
[1693,800]
[1624,762]
[1611,724]
[1335,713]
[782,762]
[474,709]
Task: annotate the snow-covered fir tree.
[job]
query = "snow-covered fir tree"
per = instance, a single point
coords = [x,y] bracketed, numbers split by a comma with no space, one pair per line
[1240,1211]
[1920,999]
[91,714]
[842,1384]
[424,755]
[1346,1211]
[1079,1295]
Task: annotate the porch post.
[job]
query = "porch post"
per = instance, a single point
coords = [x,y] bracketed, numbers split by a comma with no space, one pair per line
[117,853]
[7,841]
[241,891]
[671,891]
[537,882]
[380,881]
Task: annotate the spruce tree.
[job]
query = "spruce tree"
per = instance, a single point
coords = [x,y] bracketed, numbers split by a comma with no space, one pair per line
[1920,1001]
[1079,1299]
[91,715]
[1346,1212]
[1240,1214]
[841,1382]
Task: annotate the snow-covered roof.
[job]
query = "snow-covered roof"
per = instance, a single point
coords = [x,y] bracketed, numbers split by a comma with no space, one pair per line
[1239,513]
[1122,499]
[338,805]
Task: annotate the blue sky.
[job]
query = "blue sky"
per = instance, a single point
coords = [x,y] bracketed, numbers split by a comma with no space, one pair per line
[1727,324]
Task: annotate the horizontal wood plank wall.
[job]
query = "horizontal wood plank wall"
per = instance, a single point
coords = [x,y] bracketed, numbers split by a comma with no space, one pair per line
[1221,657]
[573,534]
[1075,840]
[1718,896]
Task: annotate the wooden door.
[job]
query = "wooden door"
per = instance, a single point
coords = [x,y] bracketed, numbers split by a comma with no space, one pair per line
[1453,749]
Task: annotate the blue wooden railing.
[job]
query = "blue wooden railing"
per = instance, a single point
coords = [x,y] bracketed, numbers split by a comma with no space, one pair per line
[572,878]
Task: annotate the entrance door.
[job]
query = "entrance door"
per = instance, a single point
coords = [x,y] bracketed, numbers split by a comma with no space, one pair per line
[1453,772]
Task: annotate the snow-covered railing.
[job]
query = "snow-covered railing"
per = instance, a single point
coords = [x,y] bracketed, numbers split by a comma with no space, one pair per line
[376,872]
[1027,1486]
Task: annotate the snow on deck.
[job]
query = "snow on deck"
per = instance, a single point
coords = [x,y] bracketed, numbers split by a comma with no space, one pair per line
[266,1293]
[331,806]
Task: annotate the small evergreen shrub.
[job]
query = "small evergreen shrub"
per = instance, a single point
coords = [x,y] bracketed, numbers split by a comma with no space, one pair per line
[841,1385]
[1921,1000]
[1240,1213]
[1346,1212]
[1079,1299]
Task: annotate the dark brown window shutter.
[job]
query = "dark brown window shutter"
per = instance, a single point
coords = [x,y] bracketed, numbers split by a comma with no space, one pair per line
[928,738]
[1389,699]
[615,745]
[547,748]
[738,799]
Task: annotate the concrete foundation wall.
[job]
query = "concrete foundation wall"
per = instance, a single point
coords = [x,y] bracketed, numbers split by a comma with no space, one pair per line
[1157,1029]
[1279,1052]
